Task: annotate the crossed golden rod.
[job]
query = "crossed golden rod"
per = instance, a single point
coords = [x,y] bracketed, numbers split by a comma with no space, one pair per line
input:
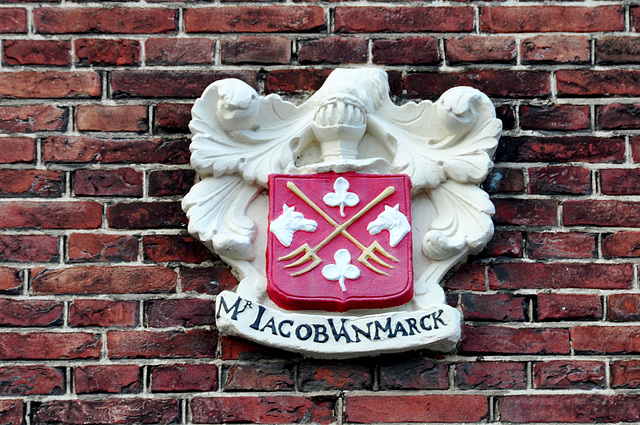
[368,252]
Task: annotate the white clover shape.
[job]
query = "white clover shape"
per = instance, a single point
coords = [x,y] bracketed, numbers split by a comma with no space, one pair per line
[341,197]
[342,269]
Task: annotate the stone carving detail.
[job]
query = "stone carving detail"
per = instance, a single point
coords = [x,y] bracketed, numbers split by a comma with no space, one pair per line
[349,125]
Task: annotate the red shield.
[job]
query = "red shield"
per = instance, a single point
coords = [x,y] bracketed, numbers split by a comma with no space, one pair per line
[339,241]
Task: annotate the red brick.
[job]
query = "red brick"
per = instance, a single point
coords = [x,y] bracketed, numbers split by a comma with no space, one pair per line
[30,380]
[178,84]
[504,340]
[256,49]
[598,83]
[161,248]
[504,243]
[414,374]
[50,215]
[262,409]
[551,19]
[16,149]
[583,408]
[10,280]
[494,83]
[118,20]
[555,49]
[468,277]
[117,379]
[49,346]
[184,377]
[114,411]
[277,376]
[254,19]
[409,50]
[180,312]
[560,149]
[403,19]
[562,275]
[635,18]
[504,180]
[333,50]
[625,374]
[506,114]
[344,377]
[37,183]
[122,182]
[635,149]
[624,307]
[562,374]
[85,149]
[103,313]
[13,20]
[32,118]
[601,213]
[559,181]
[36,52]
[49,84]
[241,349]
[90,51]
[561,245]
[208,280]
[416,408]
[569,307]
[179,51]
[170,182]
[30,313]
[146,215]
[606,339]
[481,49]
[295,81]
[11,410]
[556,117]
[92,247]
[173,117]
[527,212]
[147,345]
[112,118]
[491,376]
[104,280]
[614,49]
[621,244]
[499,307]
[619,116]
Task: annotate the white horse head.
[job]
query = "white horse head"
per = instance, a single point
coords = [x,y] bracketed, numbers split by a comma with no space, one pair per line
[394,221]
[289,222]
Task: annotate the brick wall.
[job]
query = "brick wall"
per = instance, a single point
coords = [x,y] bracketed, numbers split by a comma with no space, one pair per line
[107,304]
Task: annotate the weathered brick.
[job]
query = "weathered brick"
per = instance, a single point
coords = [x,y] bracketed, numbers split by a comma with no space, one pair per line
[254,19]
[468,277]
[502,179]
[161,248]
[606,339]
[146,215]
[615,49]
[409,50]
[256,49]
[625,374]
[555,49]
[115,411]
[504,243]
[179,51]
[506,114]
[491,375]
[146,345]
[601,213]
[635,149]
[277,376]
[624,307]
[180,312]
[333,50]
[414,374]
[32,118]
[481,49]
[505,340]
[122,182]
[30,313]
[498,307]
[36,52]
[10,280]
[560,149]
[569,307]
[30,380]
[242,349]
[184,377]
[403,19]
[11,411]
[416,408]
[49,346]
[621,244]
[38,183]
[50,215]
[117,379]
[295,81]
[334,376]
[13,20]
[170,182]
[635,18]
[561,275]
[598,83]
[16,149]
[208,280]
[619,116]
[561,245]
[104,280]
[551,19]
[99,247]
[49,84]
[103,313]
[562,374]
[559,180]
[95,51]
[527,212]
[556,117]
[173,117]
[262,409]
[118,20]
[112,118]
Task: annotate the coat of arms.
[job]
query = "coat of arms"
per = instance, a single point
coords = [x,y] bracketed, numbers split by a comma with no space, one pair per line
[341,214]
